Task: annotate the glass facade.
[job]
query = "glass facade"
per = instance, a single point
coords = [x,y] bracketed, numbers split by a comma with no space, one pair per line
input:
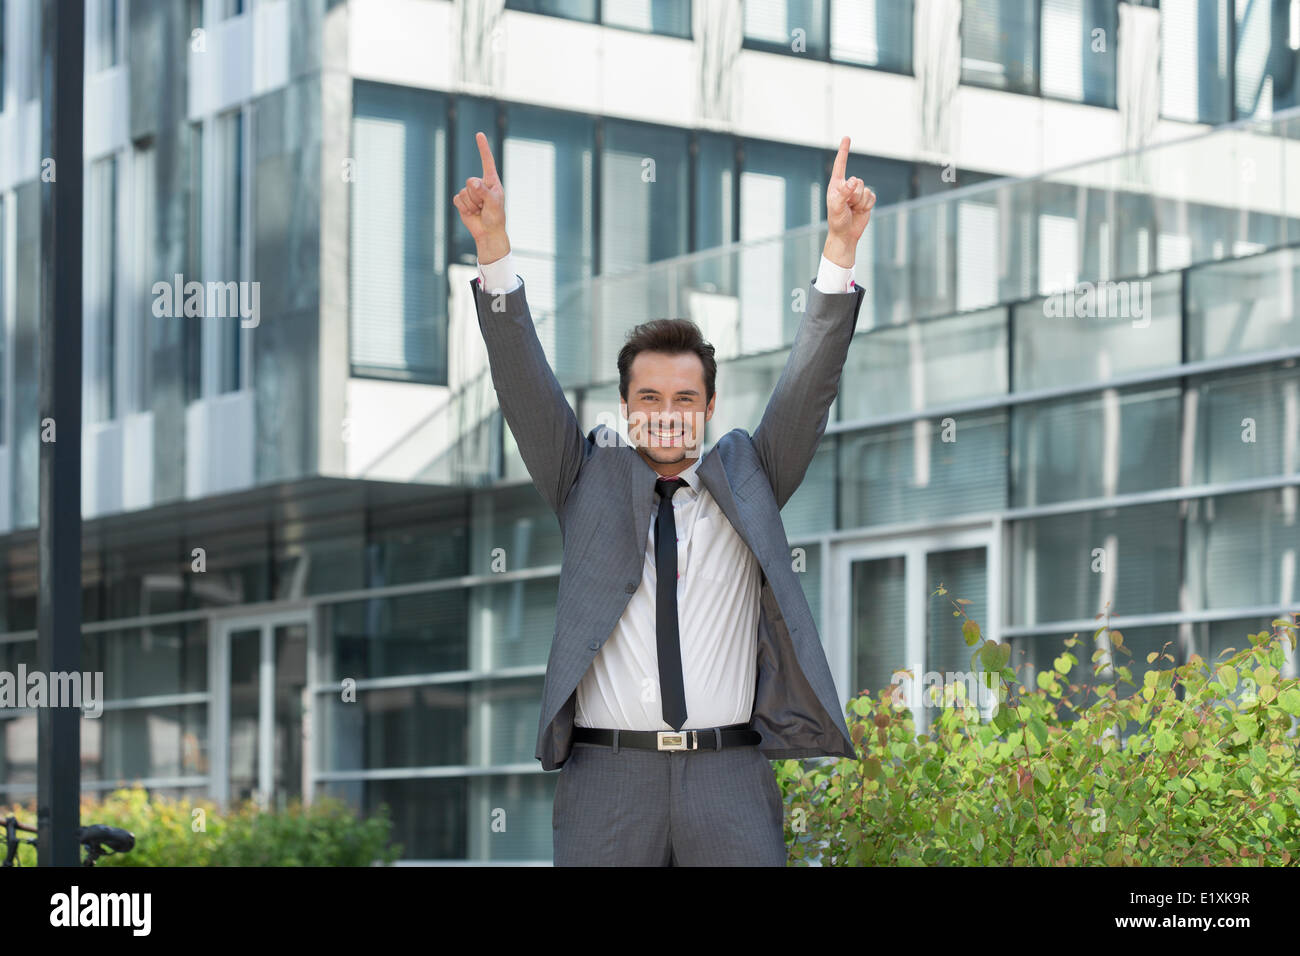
[1068,395]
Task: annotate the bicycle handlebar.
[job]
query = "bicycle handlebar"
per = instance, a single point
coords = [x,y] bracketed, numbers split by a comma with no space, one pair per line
[98,839]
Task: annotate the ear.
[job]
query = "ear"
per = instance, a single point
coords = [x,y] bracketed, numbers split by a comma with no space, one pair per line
[708,412]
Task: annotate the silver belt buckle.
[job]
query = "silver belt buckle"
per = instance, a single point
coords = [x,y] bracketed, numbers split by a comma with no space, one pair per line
[676,740]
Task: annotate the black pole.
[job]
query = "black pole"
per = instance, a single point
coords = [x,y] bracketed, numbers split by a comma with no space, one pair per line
[58,615]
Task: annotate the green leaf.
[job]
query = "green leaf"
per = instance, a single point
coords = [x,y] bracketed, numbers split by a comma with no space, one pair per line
[1227,677]
[1038,728]
[1289,700]
[1258,757]
[1004,719]
[970,631]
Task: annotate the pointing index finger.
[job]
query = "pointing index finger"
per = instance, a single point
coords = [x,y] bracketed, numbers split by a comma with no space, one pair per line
[841,159]
[485,154]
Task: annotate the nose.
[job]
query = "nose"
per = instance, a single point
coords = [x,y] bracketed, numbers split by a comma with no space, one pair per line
[670,417]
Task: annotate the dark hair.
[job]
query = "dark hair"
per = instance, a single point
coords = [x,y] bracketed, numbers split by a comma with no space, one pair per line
[673,336]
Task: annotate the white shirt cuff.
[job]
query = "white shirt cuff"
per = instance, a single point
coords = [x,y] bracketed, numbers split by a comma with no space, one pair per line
[833,278]
[498,276]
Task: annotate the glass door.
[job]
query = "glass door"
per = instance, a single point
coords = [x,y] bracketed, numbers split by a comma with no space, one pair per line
[889,620]
[261,710]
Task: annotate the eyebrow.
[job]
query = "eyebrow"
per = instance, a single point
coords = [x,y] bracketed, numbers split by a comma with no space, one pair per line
[655,391]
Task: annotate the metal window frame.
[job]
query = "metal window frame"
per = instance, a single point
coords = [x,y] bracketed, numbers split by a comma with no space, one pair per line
[915,549]
[219,636]
[599,20]
[781,49]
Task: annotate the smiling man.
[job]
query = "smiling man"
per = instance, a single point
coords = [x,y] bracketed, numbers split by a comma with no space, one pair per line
[685,656]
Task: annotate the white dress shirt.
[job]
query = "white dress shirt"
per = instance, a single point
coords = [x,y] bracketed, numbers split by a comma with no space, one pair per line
[718,588]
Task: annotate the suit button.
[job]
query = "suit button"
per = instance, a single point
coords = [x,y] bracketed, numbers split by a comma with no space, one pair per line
[594,645]
[631,587]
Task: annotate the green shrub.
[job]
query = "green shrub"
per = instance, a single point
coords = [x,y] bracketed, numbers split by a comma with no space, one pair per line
[1187,769]
[180,833]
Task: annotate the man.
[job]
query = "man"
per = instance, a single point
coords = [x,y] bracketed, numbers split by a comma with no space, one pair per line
[685,655]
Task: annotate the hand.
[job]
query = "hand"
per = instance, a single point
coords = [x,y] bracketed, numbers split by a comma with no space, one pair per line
[482,207]
[848,210]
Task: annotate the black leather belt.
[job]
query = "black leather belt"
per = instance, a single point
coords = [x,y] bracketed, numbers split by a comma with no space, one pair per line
[709,738]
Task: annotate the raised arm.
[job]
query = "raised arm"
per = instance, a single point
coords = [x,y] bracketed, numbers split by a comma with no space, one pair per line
[796,415]
[533,403]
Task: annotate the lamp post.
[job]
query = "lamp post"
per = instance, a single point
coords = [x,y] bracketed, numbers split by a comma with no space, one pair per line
[58,614]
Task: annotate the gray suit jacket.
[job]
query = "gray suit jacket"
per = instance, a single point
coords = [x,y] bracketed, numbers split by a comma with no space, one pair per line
[603,493]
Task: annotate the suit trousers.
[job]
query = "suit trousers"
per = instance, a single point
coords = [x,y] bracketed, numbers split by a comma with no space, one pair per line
[634,807]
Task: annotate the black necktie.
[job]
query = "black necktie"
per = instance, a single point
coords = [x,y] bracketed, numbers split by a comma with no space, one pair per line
[672,694]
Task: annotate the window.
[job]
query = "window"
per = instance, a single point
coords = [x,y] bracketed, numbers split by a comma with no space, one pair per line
[4,318]
[1069,567]
[121,331]
[788,26]
[1078,44]
[667,17]
[782,187]
[999,44]
[549,163]
[937,282]
[922,471]
[873,33]
[715,200]
[100,269]
[1095,446]
[1243,306]
[191,330]
[227,263]
[3,59]
[570,9]
[1267,41]
[921,365]
[134,366]
[1127,327]
[1194,51]
[715,207]
[104,28]
[1241,549]
[1245,425]
[399,224]
[645,189]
